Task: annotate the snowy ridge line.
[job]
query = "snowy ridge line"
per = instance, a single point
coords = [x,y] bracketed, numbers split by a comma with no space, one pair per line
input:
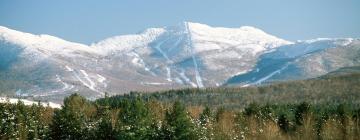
[28,102]
[197,74]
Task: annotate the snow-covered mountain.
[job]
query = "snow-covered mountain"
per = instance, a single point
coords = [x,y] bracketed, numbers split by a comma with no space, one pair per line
[302,60]
[185,55]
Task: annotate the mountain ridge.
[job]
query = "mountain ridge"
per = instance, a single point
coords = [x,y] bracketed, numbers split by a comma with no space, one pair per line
[186,55]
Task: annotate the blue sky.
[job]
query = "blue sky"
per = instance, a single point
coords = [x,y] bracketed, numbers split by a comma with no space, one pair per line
[88,21]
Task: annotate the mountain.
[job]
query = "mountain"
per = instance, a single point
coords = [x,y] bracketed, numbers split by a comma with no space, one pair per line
[302,60]
[184,55]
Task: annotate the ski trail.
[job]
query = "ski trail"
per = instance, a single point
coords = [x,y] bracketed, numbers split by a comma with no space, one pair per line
[270,75]
[91,83]
[157,47]
[178,41]
[65,85]
[140,62]
[68,68]
[168,74]
[168,61]
[102,80]
[83,82]
[187,80]
[91,87]
[197,74]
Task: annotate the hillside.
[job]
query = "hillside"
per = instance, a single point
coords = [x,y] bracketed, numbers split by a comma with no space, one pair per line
[321,108]
[325,90]
[186,55]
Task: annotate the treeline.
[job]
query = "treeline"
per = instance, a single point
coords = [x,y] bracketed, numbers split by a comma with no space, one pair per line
[136,119]
[334,89]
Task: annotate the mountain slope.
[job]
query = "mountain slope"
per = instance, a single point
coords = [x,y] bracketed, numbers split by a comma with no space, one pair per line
[191,53]
[302,60]
[180,56]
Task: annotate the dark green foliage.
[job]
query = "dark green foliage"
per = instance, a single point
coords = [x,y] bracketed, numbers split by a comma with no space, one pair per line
[283,123]
[178,124]
[252,109]
[205,116]
[330,89]
[23,122]
[72,122]
[300,111]
[104,129]
[135,121]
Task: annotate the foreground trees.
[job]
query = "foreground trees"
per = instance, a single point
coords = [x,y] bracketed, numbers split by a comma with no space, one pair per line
[136,118]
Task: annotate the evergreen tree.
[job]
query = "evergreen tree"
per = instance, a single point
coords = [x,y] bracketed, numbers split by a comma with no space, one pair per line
[71,122]
[8,125]
[135,121]
[206,124]
[300,112]
[283,123]
[178,124]
[104,128]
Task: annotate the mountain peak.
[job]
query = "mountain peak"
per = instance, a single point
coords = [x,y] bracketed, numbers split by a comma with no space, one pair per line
[42,42]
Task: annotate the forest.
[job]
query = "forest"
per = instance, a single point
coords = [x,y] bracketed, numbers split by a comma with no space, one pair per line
[321,108]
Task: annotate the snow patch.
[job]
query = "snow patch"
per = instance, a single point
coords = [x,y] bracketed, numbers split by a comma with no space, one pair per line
[168,74]
[154,83]
[68,68]
[28,102]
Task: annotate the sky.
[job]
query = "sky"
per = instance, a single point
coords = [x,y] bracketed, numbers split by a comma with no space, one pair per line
[89,21]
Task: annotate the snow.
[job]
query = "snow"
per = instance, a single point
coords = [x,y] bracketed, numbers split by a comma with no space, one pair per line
[199,46]
[197,74]
[46,44]
[168,73]
[66,86]
[101,78]
[207,38]
[178,80]
[91,83]
[154,83]
[28,102]
[68,68]
[128,42]
[308,46]
[187,79]
[270,75]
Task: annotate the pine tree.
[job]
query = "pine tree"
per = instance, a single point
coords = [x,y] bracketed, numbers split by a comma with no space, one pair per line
[206,124]
[7,126]
[71,122]
[104,129]
[178,124]
[135,121]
